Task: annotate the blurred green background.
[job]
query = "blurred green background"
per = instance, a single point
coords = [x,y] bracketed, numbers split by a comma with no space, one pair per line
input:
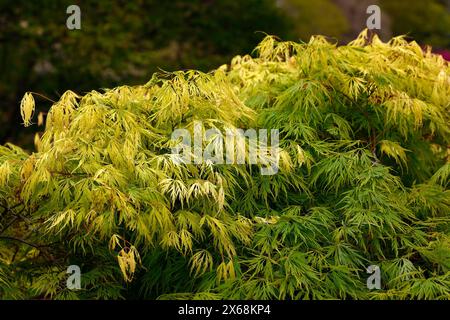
[124,42]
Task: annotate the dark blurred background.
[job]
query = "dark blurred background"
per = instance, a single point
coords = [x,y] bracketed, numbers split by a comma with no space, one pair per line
[124,42]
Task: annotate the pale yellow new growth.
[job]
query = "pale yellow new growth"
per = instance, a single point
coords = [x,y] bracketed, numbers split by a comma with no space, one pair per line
[128,259]
[27,107]
[40,119]
[37,142]
[226,271]
[394,150]
[60,113]
[201,262]
[27,168]
[61,220]
[5,172]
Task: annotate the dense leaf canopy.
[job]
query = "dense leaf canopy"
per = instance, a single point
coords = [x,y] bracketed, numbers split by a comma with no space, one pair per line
[363,180]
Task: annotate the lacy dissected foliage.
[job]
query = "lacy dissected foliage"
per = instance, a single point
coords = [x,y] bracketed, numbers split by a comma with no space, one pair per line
[363,179]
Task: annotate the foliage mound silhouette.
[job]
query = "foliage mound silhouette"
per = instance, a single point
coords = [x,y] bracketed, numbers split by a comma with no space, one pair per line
[362,180]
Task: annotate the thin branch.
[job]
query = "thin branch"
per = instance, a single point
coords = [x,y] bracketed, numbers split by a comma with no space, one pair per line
[25,242]
[19,240]
[42,96]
